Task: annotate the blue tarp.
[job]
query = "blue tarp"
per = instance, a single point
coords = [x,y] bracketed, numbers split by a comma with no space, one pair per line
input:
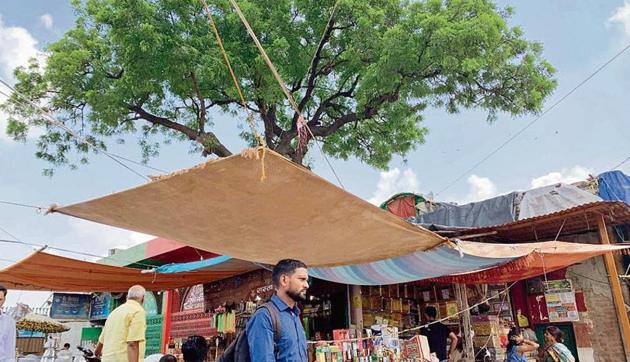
[192,266]
[614,186]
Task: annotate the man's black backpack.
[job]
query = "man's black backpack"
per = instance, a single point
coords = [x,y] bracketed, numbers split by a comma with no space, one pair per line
[238,351]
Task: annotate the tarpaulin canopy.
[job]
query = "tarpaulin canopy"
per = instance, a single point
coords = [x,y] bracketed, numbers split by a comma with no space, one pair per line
[539,258]
[470,262]
[506,208]
[224,207]
[497,210]
[43,271]
[403,204]
[216,264]
[614,186]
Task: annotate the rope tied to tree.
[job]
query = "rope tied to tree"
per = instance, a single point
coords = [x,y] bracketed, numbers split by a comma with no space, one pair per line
[304,131]
[250,117]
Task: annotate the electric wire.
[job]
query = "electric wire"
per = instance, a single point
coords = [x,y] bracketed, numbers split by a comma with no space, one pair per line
[127,262]
[554,105]
[52,120]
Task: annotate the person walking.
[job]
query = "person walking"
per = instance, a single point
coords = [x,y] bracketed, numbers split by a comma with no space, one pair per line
[290,280]
[555,350]
[518,346]
[438,335]
[8,332]
[123,337]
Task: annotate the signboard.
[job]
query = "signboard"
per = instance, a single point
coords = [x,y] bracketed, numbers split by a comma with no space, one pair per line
[101,304]
[560,300]
[30,334]
[70,306]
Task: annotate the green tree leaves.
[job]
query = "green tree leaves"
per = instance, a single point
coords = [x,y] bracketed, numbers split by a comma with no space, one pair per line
[362,80]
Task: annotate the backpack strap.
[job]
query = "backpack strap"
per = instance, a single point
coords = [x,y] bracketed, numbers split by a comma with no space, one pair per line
[275,319]
[275,322]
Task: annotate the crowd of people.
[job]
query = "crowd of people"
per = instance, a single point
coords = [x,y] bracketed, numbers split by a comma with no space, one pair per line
[274,333]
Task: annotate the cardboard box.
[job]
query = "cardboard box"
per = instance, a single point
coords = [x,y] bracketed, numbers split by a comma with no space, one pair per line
[493,341]
[486,328]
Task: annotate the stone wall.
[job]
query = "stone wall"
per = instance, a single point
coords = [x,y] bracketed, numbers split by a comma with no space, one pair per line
[597,334]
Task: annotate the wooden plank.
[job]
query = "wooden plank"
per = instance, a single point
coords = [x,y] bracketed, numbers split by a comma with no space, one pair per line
[611,268]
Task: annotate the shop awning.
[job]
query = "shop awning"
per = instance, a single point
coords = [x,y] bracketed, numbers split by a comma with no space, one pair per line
[222,206]
[542,258]
[43,271]
[218,263]
[469,262]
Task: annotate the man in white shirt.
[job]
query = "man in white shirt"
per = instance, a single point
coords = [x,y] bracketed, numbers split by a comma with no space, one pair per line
[64,355]
[7,331]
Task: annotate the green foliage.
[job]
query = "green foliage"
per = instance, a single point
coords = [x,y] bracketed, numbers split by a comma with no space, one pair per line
[153,66]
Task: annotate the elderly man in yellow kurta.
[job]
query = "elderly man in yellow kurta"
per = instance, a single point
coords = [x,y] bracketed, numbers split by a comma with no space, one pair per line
[122,339]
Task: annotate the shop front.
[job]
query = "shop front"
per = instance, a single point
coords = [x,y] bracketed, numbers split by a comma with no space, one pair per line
[220,310]
[400,308]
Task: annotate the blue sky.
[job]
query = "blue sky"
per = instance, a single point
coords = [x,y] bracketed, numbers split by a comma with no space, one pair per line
[587,133]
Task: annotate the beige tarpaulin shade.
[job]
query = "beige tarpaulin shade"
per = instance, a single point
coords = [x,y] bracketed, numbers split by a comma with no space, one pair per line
[222,206]
[43,271]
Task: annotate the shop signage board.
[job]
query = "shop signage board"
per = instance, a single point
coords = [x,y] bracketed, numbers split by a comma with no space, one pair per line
[67,306]
[560,299]
[101,306]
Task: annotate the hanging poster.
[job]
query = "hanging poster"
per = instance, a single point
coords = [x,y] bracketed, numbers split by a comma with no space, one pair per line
[558,286]
[560,300]
[101,303]
[70,306]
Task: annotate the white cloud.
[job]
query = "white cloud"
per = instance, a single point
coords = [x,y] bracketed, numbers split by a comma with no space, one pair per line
[97,239]
[622,16]
[46,20]
[392,182]
[481,188]
[567,176]
[3,122]
[17,46]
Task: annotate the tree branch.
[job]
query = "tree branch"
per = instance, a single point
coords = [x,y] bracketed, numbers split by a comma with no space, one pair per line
[268,115]
[328,102]
[115,76]
[370,111]
[312,70]
[201,116]
[207,140]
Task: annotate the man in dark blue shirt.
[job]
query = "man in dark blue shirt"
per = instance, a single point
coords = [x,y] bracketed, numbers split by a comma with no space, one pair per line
[438,334]
[290,280]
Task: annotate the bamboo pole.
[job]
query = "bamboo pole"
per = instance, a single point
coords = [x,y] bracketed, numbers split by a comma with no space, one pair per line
[615,285]
[462,303]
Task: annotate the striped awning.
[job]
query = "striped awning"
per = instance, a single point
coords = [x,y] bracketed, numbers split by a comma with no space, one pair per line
[468,262]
